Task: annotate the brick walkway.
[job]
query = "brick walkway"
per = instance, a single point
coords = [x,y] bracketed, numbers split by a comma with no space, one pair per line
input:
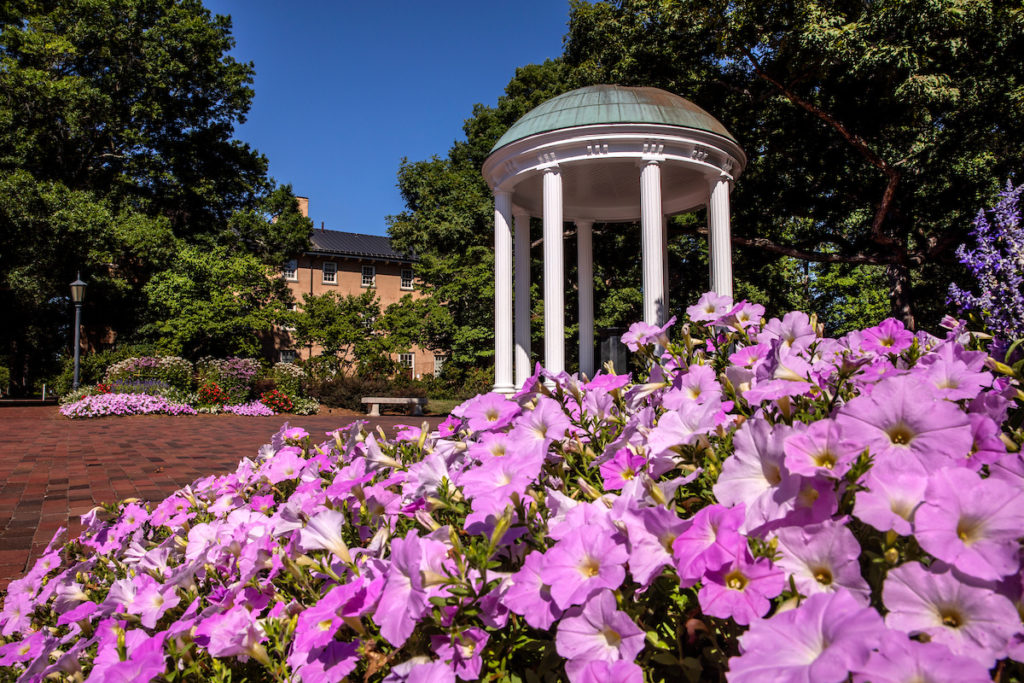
[52,470]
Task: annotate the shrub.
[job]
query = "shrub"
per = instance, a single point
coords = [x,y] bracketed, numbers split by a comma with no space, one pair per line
[305,406]
[997,265]
[763,503]
[277,400]
[172,370]
[233,375]
[80,393]
[212,395]
[288,377]
[347,391]
[92,366]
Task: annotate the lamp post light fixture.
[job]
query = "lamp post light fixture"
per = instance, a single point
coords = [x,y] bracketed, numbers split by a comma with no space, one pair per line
[77,296]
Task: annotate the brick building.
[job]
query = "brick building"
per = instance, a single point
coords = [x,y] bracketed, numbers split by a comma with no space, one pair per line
[350,263]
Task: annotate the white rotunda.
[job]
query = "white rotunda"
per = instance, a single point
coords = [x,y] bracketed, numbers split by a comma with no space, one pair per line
[605,154]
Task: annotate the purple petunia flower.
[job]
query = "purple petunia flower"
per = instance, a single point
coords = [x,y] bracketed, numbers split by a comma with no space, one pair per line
[820,450]
[889,336]
[969,620]
[972,523]
[598,631]
[741,590]
[822,558]
[902,422]
[584,561]
[900,659]
[489,411]
[709,543]
[462,651]
[821,641]
[231,633]
[757,476]
[891,499]
[709,307]
[529,596]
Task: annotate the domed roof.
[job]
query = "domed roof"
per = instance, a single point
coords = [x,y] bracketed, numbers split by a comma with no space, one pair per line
[612,104]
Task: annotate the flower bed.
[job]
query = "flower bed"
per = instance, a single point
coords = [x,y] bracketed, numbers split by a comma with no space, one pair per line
[766,503]
[99,405]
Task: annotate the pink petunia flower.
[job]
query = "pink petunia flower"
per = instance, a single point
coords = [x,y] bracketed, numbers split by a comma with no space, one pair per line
[489,411]
[821,641]
[462,651]
[820,449]
[972,523]
[903,422]
[889,336]
[598,631]
[969,620]
[709,307]
[900,659]
[891,499]
[822,558]
[586,560]
[741,590]
[529,596]
[709,542]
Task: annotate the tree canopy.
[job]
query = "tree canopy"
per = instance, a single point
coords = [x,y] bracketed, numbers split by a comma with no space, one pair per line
[117,152]
[874,131]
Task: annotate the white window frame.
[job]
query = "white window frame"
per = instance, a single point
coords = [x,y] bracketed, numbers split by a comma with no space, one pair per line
[290,270]
[369,277]
[408,361]
[438,363]
[407,272]
[329,268]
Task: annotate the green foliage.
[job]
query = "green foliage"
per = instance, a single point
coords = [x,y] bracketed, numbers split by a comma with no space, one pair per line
[353,330]
[873,129]
[346,391]
[116,149]
[213,302]
[92,366]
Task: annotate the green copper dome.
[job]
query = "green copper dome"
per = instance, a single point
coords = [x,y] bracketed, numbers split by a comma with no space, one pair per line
[612,104]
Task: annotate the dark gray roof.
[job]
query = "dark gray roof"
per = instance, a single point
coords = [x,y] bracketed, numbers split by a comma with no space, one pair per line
[356,244]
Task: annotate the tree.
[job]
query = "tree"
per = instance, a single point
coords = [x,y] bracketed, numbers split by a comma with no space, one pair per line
[353,328]
[214,302]
[874,130]
[116,150]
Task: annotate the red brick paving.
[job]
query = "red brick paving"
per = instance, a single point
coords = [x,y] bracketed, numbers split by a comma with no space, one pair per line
[52,469]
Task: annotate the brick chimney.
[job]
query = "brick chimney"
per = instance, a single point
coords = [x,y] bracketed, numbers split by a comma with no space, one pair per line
[304,206]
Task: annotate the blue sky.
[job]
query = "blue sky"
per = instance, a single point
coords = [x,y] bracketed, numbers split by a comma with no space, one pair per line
[345,89]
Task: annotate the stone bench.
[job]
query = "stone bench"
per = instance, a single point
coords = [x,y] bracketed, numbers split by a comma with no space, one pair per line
[415,405]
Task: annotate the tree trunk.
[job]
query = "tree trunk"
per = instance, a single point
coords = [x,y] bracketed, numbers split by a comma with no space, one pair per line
[899,292]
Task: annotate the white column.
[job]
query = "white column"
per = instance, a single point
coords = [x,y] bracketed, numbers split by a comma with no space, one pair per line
[503,293]
[585,285]
[719,241]
[664,259]
[554,294]
[522,304]
[652,227]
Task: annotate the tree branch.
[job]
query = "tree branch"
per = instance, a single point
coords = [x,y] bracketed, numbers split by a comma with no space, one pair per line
[856,141]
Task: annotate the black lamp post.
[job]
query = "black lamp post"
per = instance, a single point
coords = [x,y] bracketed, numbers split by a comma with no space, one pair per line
[77,296]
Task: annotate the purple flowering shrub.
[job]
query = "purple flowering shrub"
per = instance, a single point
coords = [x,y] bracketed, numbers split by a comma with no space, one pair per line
[997,264]
[766,505]
[100,405]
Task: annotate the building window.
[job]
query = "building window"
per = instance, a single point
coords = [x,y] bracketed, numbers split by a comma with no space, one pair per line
[405,360]
[287,356]
[406,278]
[330,273]
[291,270]
[369,276]
[438,364]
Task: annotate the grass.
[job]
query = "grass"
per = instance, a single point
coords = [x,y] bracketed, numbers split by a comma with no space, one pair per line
[441,406]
